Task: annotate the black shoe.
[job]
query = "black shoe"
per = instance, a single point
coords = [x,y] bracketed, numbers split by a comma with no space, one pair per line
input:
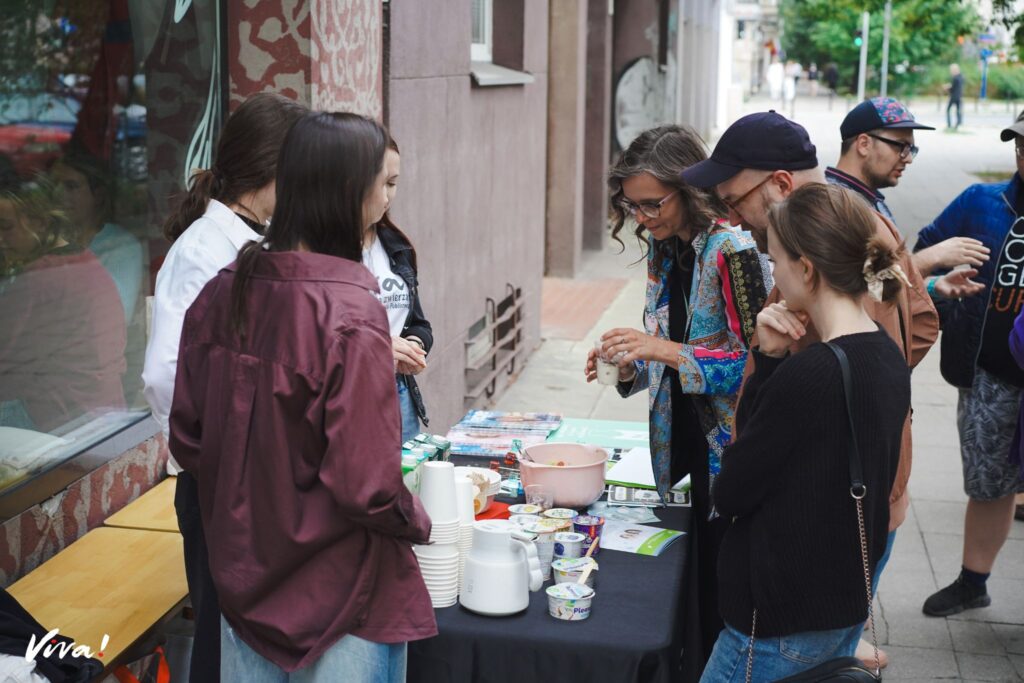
[955,598]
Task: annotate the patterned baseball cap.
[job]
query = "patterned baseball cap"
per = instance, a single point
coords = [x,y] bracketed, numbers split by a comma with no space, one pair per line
[878,112]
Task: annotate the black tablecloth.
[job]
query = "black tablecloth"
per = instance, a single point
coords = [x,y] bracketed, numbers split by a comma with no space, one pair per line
[634,632]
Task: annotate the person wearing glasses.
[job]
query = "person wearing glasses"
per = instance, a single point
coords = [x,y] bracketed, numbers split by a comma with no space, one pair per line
[760,161]
[977,359]
[878,145]
[706,284]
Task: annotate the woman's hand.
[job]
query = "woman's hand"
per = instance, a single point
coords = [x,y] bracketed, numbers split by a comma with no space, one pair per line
[778,327]
[410,358]
[626,373]
[626,345]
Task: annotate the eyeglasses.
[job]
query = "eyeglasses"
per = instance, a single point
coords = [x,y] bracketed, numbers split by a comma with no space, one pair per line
[649,209]
[906,149]
[735,205]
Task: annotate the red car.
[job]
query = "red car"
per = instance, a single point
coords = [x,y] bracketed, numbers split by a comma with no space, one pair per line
[33,132]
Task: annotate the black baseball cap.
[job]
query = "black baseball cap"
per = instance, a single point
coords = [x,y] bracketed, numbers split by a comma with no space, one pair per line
[875,113]
[1013,131]
[766,141]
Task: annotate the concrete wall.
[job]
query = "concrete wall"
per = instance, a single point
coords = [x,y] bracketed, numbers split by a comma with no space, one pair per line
[566,127]
[472,192]
[597,134]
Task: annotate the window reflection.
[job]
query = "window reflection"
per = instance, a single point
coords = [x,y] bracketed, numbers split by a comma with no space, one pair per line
[105,106]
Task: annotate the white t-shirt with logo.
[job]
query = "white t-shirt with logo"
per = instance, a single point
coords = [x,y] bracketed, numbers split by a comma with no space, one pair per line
[394,293]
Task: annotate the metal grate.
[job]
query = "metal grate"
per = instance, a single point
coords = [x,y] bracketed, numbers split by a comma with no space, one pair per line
[494,343]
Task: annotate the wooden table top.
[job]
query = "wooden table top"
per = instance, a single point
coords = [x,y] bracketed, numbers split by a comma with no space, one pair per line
[118,582]
[152,511]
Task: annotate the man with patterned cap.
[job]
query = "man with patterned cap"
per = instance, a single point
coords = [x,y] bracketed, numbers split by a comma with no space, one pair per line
[878,145]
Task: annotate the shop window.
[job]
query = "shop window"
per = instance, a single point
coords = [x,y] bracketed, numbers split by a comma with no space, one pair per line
[105,108]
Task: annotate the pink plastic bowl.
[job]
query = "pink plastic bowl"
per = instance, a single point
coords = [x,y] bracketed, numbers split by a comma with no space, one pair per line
[576,484]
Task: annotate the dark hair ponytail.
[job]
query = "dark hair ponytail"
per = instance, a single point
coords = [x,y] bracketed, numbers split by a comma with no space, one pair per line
[245,160]
[326,169]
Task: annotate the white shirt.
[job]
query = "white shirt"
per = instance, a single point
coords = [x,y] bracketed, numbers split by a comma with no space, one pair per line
[207,246]
[394,293]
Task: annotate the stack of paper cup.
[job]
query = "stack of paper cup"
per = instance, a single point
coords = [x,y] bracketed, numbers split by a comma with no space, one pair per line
[439,561]
[464,499]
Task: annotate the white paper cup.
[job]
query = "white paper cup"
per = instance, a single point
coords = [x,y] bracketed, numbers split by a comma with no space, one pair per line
[437,491]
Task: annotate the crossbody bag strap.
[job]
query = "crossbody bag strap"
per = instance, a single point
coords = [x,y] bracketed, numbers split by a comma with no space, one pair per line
[857,489]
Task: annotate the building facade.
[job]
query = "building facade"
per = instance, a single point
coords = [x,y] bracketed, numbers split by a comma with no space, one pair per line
[507,114]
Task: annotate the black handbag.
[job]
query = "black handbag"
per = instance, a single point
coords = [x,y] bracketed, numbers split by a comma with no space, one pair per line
[841,669]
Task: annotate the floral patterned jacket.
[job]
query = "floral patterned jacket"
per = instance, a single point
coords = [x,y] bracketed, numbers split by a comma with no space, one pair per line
[731,281]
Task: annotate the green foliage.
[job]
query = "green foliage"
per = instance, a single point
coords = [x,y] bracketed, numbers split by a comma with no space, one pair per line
[923,33]
[1005,12]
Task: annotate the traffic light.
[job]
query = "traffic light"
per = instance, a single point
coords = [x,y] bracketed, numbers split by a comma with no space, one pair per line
[858,38]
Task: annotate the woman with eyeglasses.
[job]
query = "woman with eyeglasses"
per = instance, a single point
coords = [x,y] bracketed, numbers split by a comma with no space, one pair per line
[706,284]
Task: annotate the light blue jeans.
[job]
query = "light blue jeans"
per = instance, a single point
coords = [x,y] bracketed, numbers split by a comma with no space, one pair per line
[351,659]
[882,561]
[776,658]
[410,421]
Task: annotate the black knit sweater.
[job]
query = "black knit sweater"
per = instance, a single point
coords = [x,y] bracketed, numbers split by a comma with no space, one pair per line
[793,550]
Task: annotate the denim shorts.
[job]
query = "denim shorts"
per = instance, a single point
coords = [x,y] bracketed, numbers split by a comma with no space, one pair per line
[777,657]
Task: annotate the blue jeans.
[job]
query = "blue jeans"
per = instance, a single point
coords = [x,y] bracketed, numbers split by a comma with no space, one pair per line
[410,421]
[882,561]
[776,658]
[351,659]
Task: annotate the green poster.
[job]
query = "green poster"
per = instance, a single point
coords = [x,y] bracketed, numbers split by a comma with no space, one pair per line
[604,433]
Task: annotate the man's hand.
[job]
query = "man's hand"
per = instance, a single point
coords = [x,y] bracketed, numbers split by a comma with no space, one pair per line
[957,284]
[956,251]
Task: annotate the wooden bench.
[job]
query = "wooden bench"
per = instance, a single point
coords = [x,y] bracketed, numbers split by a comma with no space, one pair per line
[124,583]
[152,511]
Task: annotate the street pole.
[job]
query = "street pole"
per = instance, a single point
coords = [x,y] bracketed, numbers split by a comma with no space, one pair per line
[885,48]
[863,71]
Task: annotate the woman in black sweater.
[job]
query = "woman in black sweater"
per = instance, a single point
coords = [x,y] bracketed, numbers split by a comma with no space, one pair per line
[791,558]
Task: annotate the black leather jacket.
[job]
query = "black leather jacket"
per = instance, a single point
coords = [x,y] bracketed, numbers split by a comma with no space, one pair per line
[399,252]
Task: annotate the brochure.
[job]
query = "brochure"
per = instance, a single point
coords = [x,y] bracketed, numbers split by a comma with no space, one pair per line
[637,538]
[633,470]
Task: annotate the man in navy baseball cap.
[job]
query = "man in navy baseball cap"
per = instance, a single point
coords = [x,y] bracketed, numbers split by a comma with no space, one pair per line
[759,160]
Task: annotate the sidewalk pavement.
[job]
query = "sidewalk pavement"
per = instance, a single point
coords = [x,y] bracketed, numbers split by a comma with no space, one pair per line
[978,645]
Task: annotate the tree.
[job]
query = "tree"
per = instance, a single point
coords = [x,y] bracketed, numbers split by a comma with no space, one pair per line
[1006,12]
[923,33]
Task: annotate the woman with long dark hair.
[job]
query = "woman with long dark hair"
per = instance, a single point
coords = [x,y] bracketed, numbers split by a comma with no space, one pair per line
[391,258]
[226,206]
[796,563]
[286,412]
[705,284]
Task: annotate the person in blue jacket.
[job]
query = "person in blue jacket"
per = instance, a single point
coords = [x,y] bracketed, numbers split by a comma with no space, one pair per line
[976,359]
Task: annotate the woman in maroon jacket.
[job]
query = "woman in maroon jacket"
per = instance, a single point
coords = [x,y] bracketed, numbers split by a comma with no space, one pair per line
[285,410]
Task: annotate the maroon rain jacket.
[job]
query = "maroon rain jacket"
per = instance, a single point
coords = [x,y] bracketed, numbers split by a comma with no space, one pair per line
[293,433]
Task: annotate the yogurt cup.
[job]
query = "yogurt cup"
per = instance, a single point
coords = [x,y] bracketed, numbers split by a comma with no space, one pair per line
[569,545]
[591,527]
[561,513]
[569,570]
[525,509]
[523,520]
[569,601]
